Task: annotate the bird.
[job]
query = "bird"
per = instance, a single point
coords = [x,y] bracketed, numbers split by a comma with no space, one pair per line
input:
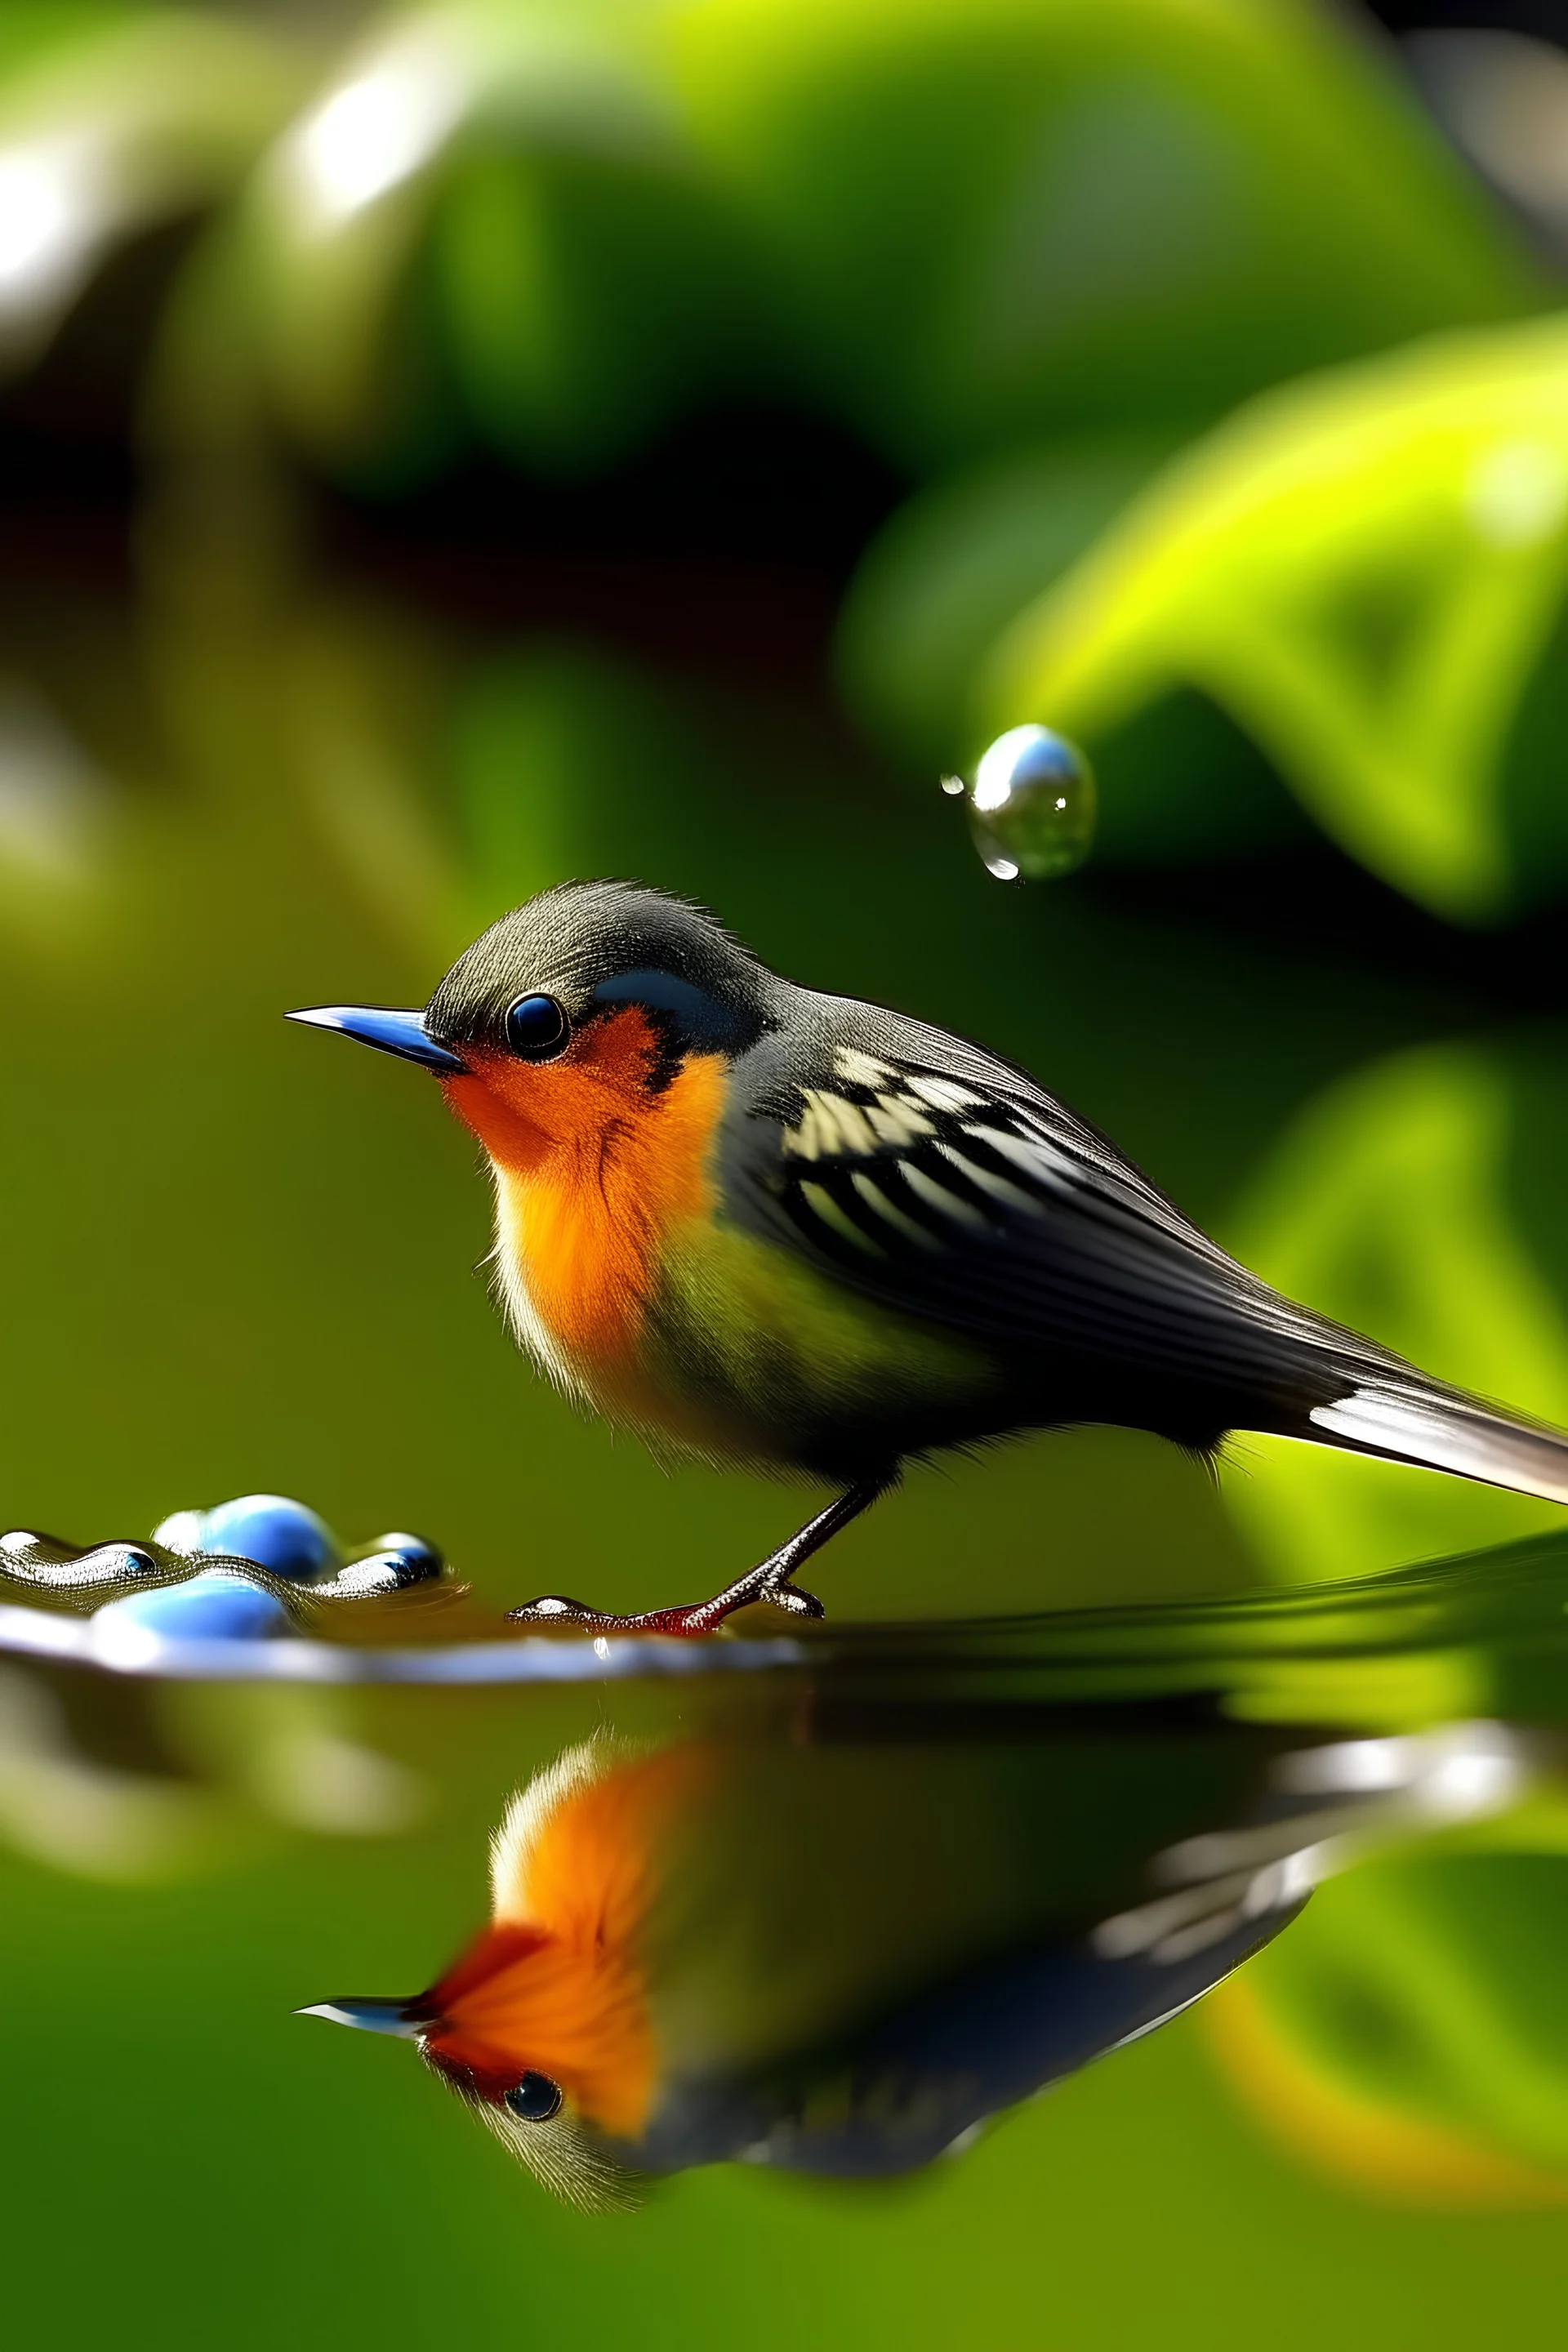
[841,1956]
[769,1226]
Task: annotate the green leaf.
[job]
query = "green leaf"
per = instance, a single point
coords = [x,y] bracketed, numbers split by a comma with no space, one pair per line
[951,228]
[1397,1206]
[1365,572]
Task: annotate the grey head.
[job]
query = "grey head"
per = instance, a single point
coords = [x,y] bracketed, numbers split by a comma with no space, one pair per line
[571,958]
[590,949]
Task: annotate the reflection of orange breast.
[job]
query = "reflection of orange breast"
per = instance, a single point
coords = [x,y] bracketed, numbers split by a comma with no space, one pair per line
[593,1171]
[557,1982]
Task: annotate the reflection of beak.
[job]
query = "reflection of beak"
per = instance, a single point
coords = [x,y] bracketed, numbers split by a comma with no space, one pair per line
[403,1033]
[407,2018]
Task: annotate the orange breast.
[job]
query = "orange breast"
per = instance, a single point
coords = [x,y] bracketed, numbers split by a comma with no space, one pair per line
[594,1168]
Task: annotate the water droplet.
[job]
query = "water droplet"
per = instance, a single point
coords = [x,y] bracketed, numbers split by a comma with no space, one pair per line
[1032,805]
[392,1564]
[49,1562]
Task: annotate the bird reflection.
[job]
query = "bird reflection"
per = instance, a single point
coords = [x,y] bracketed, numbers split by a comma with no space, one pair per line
[841,1953]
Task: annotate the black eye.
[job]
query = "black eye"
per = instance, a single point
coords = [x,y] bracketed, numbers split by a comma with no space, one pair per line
[536,2098]
[536,1027]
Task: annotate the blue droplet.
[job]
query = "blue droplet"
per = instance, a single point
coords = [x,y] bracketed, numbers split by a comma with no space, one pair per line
[213,1607]
[275,1533]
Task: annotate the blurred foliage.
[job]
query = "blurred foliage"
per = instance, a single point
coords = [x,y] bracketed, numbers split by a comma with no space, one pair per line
[1408,2036]
[141,1786]
[947,577]
[945,228]
[1020,250]
[114,121]
[1417,1200]
[1368,576]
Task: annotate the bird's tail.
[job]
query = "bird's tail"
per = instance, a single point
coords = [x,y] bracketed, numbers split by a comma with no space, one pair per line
[1445,1430]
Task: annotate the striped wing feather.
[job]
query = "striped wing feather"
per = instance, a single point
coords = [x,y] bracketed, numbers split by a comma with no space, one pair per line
[935,1177]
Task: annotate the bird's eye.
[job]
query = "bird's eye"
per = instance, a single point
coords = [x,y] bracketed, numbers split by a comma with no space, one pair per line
[537,1028]
[535,2099]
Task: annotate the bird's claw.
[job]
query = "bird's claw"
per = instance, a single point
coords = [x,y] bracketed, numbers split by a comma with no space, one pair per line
[794,1598]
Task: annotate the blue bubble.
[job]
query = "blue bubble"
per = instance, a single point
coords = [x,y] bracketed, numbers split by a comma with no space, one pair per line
[213,1607]
[275,1533]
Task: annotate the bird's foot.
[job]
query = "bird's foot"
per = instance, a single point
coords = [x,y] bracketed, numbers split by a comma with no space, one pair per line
[769,1580]
[772,1580]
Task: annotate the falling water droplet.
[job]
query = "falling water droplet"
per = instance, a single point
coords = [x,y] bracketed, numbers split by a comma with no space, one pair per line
[1032,805]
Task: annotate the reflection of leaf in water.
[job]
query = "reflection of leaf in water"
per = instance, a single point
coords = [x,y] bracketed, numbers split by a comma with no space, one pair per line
[297,1760]
[1408,2037]
[1387,1207]
[182,1794]
[88,1816]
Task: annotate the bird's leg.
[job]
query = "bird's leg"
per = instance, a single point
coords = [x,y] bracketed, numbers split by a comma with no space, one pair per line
[771,1579]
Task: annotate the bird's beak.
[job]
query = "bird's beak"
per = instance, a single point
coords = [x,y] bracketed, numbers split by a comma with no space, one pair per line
[407,2019]
[403,1033]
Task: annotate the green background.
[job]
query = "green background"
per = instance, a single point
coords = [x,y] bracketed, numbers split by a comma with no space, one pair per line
[571,515]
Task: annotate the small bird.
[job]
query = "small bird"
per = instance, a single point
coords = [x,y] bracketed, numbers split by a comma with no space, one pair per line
[769,1226]
[842,1958]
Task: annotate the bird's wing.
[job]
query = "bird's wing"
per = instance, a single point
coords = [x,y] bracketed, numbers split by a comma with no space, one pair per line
[935,1177]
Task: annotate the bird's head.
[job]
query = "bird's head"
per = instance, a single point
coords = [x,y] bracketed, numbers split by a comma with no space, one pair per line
[542,2025]
[574,1010]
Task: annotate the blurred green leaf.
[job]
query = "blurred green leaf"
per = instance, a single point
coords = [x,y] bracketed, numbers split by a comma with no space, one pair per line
[113,121]
[950,571]
[1395,1206]
[955,564]
[583,298]
[1365,572]
[949,228]
[1012,215]
[521,127]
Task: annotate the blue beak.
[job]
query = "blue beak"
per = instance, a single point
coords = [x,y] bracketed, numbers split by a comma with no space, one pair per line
[403,1033]
[404,2018]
